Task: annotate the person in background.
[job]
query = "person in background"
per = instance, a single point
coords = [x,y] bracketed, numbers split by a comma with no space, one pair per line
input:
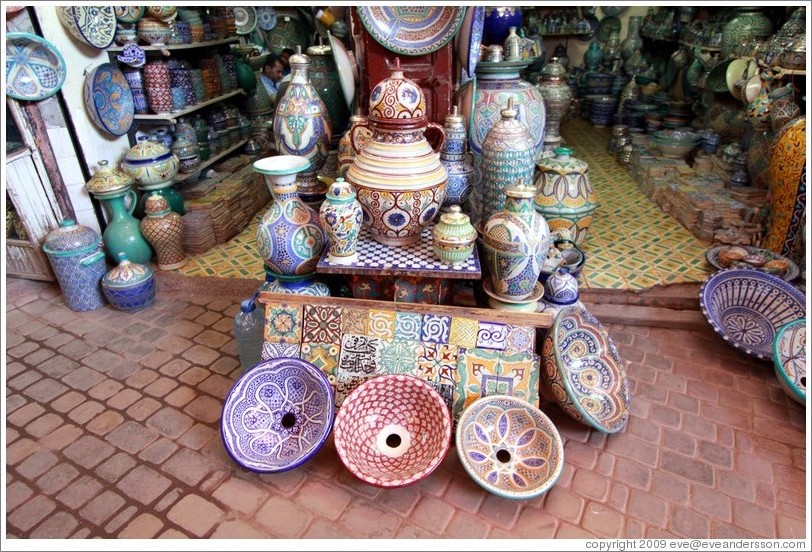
[271,75]
[284,56]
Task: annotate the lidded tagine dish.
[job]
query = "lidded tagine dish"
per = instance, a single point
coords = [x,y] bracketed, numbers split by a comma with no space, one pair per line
[583,371]
[151,165]
[509,447]
[398,176]
[108,181]
[393,430]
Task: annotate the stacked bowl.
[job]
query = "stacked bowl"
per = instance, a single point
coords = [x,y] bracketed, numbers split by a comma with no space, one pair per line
[676,143]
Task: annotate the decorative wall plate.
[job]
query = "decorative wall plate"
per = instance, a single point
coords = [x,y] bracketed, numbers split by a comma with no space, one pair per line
[288,32]
[277,415]
[606,26]
[34,67]
[761,256]
[412,30]
[93,25]
[789,357]
[245,17]
[509,447]
[593,27]
[747,307]
[469,38]
[266,17]
[109,100]
[345,70]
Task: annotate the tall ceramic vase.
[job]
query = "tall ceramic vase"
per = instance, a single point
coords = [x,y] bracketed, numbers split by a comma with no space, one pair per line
[515,242]
[632,43]
[302,127]
[290,238]
[557,99]
[787,189]
[397,175]
[457,161]
[163,228]
[508,156]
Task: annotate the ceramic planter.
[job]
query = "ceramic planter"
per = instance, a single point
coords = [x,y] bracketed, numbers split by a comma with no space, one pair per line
[75,254]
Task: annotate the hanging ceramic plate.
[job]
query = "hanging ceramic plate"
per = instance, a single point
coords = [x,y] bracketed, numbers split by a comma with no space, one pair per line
[593,28]
[93,25]
[345,70]
[109,100]
[412,30]
[266,17]
[34,67]
[245,17]
[606,26]
[469,39]
[289,32]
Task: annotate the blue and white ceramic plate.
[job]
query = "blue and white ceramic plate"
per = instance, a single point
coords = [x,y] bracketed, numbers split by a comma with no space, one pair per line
[35,69]
[109,100]
[277,415]
[747,307]
[412,30]
[93,25]
[266,17]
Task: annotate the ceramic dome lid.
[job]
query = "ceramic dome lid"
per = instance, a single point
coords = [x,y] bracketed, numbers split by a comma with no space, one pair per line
[146,151]
[553,71]
[397,100]
[156,205]
[340,191]
[562,163]
[320,50]
[299,59]
[108,179]
[71,239]
[127,273]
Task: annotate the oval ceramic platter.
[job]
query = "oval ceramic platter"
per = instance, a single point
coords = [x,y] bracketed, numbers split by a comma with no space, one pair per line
[35,69]
[764,256]
[412,30]
[109,100]
[469,39]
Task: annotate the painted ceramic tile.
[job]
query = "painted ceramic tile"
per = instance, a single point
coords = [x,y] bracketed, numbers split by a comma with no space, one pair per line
[354,321]
[408,325]
[283,324]
[482,372]
[398,356]
[463,332]
[276,350]
[437,362]
[321,324]
[358,355]
[435,328]
[324,356]
[520,339]
[491,335]
[345,384]
[381,324]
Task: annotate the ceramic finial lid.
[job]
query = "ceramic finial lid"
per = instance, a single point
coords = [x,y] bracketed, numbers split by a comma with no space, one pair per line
[397,99]
[299,59]
[340,191]
[156,205]
[70,238]
[454,117]
[108,179]
[509,112]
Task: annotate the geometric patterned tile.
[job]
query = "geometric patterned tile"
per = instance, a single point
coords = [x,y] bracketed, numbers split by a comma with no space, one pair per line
[283,323]
[321,324]
[354,321]
[324,356]
[463,332]
[435,328]
[398,356]
[277,349]
[520,339]
[491,335]
[407,325]
[381,324]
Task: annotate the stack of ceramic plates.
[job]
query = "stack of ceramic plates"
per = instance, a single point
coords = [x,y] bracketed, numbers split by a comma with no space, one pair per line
[198,232]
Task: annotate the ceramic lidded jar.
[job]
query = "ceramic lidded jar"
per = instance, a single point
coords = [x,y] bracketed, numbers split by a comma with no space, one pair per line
[290,238]
[108,180]
[78,261]
[557,99]
[515,242]
[454,237]
[346,151]
[153,166]
[561,288]
[341,217]
[457,161]
[508,158]
[398,176]
[163,229]
[302,127]
[564,195]
[129,286]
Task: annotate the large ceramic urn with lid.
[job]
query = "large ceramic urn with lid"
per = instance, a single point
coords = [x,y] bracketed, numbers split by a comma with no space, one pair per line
[398,176]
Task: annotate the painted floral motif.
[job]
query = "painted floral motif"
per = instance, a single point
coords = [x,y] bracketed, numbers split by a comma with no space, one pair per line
[283,324]
[321,324]
[398,356]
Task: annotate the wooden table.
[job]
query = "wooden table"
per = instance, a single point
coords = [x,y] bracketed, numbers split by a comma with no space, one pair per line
[410,273]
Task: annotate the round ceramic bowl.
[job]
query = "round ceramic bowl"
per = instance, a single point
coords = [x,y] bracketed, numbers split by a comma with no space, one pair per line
[747,307]
[789,357]
[675,151]
[393,430]
[583,371]
[277,415]
[509,447]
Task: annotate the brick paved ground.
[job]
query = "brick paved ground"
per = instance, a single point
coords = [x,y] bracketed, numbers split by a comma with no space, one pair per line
[112,431]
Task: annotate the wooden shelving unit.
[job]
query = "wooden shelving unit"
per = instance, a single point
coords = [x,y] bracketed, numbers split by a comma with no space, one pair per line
[167,49]
[172,116]
[182,177]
